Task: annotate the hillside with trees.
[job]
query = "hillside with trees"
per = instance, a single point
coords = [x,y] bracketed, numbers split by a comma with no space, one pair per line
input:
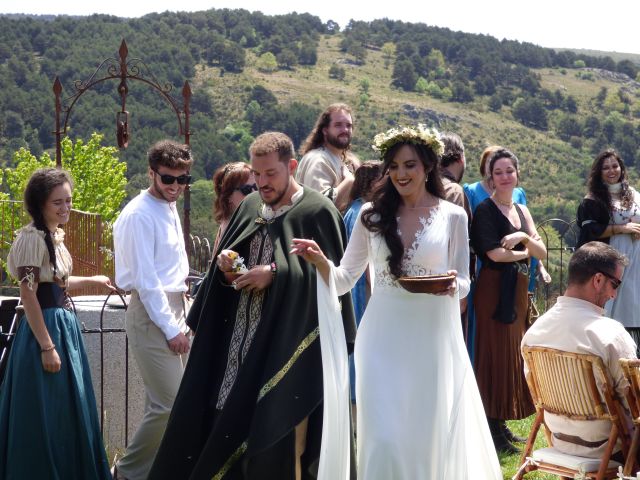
[250,72]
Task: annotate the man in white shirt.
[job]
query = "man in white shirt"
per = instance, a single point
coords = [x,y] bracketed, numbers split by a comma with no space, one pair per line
[577,324]
[151,262]
[327,164]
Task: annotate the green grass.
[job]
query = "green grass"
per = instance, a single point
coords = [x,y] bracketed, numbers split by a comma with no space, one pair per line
[510,463]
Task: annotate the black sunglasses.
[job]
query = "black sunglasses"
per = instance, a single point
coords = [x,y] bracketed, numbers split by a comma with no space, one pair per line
[169,179]
[247,189]
[615,283]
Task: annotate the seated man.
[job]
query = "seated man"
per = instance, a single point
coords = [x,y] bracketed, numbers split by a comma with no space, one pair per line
[577,324]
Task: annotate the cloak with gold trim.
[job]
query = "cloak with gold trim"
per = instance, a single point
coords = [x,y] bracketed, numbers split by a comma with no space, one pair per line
[255,368]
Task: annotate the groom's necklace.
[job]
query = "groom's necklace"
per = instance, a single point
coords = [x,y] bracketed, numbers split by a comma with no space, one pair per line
[504,204]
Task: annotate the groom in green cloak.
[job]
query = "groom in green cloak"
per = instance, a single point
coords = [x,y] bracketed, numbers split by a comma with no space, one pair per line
[251,399]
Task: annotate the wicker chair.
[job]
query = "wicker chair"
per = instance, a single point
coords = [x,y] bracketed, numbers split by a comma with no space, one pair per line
[631,370]
[565,384]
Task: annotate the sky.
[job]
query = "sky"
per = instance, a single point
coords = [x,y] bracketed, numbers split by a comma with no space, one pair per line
[610,25]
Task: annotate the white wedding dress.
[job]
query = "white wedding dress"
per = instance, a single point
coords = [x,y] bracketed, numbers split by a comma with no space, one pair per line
[420,416]
[624,307]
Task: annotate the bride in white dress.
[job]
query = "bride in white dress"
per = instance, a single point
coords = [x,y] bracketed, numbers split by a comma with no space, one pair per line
[420,416]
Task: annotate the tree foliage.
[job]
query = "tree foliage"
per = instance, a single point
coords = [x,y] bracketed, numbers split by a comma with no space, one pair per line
[267,63]
[34,50]
[404,75]
[337,71]
[388,52]
[210,50]
[531,112]
[98,175]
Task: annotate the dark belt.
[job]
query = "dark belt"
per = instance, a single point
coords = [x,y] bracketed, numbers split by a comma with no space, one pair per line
[579,441]
[520,267]
[51,295]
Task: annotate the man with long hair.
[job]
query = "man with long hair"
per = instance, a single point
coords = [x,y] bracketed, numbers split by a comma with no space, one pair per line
[327,164]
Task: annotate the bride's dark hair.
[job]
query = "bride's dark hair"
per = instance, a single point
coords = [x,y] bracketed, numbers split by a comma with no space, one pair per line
[381,218]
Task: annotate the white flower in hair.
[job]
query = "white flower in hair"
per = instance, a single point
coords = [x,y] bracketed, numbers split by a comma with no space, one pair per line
[420,134]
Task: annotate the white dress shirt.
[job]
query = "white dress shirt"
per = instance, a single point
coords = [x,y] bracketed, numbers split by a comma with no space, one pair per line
[578,326]
[151,257]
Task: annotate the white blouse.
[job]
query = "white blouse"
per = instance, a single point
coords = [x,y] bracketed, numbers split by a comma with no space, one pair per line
[30,250]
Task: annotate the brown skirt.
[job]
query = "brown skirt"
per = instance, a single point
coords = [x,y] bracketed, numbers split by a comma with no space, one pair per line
[498,362]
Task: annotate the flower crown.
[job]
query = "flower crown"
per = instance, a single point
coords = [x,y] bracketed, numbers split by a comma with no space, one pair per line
[419,134]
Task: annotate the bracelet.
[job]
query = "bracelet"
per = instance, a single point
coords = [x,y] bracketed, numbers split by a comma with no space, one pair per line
[48,349]
[273,267]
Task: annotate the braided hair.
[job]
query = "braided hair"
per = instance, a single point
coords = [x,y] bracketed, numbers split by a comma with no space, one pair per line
[38,190]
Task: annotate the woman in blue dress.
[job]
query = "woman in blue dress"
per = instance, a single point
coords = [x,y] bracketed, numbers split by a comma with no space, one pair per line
[362,191]
[48,417]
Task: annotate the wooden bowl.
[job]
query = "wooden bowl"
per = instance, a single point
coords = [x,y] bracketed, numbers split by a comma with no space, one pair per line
[427,283]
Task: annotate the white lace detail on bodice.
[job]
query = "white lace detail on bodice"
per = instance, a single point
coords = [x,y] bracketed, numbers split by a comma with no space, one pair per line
[413,258]
[625,215]
[436,241]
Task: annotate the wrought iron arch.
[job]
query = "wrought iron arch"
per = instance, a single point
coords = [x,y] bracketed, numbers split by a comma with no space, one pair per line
[568,238]
[124,70]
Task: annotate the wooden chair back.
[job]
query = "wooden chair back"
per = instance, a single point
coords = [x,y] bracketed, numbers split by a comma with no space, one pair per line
[631,371]
[573,385]
[576,386]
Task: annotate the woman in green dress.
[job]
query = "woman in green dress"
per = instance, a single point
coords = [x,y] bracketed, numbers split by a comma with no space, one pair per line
[48,417]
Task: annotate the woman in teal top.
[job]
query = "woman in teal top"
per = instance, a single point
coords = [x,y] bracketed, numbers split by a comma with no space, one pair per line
[477,193]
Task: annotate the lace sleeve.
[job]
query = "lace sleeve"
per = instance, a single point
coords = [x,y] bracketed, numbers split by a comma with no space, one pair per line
[355,258]
[459,250]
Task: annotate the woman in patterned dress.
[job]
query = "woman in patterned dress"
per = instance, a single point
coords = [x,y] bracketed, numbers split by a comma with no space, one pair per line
[610,213]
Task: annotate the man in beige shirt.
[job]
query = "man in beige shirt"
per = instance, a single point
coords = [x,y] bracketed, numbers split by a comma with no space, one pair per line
[577,324]
[327,165]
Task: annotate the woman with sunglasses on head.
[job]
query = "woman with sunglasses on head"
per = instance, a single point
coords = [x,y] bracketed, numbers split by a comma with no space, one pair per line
[610,213]
[49,425]
[504,236]
[231,183]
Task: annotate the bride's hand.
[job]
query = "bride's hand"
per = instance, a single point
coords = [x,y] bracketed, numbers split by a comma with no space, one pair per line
[453,285]
[309,250]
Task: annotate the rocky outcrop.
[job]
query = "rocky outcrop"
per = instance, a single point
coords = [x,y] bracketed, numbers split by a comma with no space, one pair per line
[427,116]
[616,77]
